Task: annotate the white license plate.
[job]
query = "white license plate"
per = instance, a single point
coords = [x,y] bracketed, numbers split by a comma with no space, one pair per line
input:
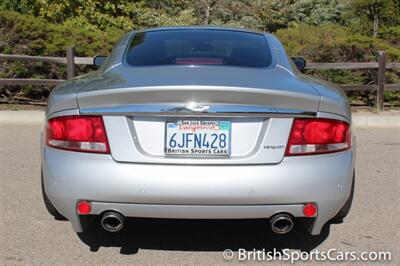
[198,138]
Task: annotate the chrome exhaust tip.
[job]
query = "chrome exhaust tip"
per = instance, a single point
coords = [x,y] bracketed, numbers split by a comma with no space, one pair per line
[112,221]
[281,223]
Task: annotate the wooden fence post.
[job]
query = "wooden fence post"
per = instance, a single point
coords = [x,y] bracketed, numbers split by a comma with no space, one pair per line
[70,62]
[381,58]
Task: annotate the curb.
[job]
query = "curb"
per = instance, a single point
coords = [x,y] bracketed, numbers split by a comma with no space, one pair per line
[367,120]
[32,117]
[360,120]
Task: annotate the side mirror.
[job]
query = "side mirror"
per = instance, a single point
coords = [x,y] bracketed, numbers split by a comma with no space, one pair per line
[98,60]
[300,62]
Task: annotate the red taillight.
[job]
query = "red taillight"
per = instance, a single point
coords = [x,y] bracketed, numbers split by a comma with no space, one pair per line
[77,133]
[314,136]
[83,207]
[310,210]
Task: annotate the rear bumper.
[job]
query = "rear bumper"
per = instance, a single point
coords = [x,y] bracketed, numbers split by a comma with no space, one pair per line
[198,191]
[197,211]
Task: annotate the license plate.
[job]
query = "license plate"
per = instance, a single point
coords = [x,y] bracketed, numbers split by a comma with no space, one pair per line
[198,138]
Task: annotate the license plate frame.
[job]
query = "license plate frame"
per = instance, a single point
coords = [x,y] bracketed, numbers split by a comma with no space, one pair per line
[200,152]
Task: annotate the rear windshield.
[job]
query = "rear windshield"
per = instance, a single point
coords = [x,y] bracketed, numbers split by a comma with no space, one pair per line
[199,47]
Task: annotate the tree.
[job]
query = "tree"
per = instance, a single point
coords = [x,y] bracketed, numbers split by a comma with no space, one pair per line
[374,11]
[316,12]
[205,8]
[21,6]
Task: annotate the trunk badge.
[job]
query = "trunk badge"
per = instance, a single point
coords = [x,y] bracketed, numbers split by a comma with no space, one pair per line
[197,108]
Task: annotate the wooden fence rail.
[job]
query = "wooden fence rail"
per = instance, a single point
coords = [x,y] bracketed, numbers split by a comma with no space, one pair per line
[71,61]
[48,59]
[350,65]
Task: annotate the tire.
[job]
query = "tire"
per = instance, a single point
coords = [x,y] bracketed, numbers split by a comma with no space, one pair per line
[344,211]
[49,206]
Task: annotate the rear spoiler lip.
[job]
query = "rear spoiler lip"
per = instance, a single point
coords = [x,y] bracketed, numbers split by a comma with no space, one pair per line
[197,110]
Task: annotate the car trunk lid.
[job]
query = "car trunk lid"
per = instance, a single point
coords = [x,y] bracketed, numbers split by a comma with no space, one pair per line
[259,104]
[275,88]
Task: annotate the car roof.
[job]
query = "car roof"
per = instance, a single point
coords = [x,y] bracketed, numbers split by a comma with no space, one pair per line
[167,28]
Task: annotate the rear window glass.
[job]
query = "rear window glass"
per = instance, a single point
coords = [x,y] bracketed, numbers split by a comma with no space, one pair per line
[198,47]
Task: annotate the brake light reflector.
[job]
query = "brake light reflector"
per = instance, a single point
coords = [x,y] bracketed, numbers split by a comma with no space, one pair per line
[316,136]
[77,133]
[310,210]
[83,207]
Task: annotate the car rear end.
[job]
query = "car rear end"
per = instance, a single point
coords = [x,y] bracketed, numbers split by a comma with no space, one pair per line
[198,142]
[206,188]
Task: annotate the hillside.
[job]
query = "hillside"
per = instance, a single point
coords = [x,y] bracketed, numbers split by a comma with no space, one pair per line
[319,30]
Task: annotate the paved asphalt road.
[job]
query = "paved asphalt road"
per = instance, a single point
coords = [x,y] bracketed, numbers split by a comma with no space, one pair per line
[28,235]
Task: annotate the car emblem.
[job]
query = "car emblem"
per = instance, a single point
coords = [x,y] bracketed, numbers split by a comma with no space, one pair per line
[197,108]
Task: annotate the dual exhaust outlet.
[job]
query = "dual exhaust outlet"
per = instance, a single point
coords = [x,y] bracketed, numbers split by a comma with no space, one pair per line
[112,221]
[281,223]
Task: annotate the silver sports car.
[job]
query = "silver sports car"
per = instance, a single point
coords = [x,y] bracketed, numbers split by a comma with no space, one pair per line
[198,123]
